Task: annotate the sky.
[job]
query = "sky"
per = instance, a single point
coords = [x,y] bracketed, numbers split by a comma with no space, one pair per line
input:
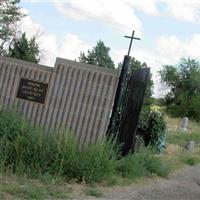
[169,30]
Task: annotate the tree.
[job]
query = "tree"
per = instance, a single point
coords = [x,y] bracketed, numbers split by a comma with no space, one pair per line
[135,64]
[183,81]
[25,49]
[99,55]
[10,14]
[148,100]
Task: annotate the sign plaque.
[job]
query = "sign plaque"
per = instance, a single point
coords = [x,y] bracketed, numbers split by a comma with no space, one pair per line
[32,90]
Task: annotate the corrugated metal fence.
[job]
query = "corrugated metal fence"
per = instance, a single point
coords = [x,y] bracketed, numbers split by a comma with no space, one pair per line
[79,96]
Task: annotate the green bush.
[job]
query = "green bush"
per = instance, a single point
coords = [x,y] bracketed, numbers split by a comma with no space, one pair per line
[190,160]
[143,163]
[28,150]
[25,149]
[132,166]
[153,130]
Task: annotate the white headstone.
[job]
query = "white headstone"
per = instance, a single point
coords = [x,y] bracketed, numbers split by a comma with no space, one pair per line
[184,124]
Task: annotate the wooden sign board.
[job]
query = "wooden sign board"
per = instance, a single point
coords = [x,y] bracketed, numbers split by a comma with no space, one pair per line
[32,90]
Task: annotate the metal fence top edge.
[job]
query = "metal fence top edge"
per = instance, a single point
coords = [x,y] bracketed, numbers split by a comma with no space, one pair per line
[64,62]
[26,63]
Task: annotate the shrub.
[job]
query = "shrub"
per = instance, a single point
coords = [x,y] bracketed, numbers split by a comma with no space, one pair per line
[152,130]
[132,166]
[97,162]
[26,149]
[145,162]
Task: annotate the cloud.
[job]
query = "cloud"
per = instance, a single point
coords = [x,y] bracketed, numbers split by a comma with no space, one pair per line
[114,13]
[173,48]
[168,50]
[184,10]
[51,46]
[149,7]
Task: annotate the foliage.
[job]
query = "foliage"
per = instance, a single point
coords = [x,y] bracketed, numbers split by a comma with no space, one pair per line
[190,159]
[142,163]
[182,138]
[151,126]
[21,187]
[25,149]
[153,130]
[134,65]
[25,49]
[99,55]
[183,81]
[148,100]
[10,14]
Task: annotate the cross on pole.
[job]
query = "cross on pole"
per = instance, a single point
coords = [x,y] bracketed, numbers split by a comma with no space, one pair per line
[131,37]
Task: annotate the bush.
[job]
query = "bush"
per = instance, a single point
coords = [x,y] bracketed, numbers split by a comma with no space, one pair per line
[132,166]
[153,130]
[145,162]
[25,149]
[28,150]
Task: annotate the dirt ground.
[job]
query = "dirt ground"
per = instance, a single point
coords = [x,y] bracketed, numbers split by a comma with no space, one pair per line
[183,185]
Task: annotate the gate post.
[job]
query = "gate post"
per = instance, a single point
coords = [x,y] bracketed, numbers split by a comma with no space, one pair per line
[133,108]
[114,124]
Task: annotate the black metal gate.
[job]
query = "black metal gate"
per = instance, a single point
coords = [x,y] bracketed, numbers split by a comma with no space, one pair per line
[127,106]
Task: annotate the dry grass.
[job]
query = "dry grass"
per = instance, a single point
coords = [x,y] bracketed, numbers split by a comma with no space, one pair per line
[175,150]
[18,187]
[174,123]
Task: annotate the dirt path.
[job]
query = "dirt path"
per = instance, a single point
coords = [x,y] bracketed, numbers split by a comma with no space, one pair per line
[184,185]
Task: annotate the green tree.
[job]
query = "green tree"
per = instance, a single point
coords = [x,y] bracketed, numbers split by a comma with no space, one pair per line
[10,14]
[183,81]
[25,49]
[135,64]
[99,55]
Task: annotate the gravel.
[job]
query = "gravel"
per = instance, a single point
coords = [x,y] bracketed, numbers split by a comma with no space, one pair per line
[184,185]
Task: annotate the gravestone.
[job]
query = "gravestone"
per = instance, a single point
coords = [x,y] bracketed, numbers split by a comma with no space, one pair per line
[190,146]
[71,96]
[184,124]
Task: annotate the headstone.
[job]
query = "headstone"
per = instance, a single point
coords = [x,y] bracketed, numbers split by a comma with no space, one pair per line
[190,146]
[184,124]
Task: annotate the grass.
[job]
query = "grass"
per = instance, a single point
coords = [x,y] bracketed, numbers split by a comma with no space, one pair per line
[46,158]
[93,191]
[174,123]
[176,142]
[143,163]
[182,138]
[19,187]
[25,149]
[190,159]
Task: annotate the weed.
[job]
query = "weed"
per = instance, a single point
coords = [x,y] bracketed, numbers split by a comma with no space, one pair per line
[26,149]
[145,162]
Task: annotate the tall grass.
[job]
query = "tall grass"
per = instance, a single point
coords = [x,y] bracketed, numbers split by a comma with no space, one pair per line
[143,163]
[27,149]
